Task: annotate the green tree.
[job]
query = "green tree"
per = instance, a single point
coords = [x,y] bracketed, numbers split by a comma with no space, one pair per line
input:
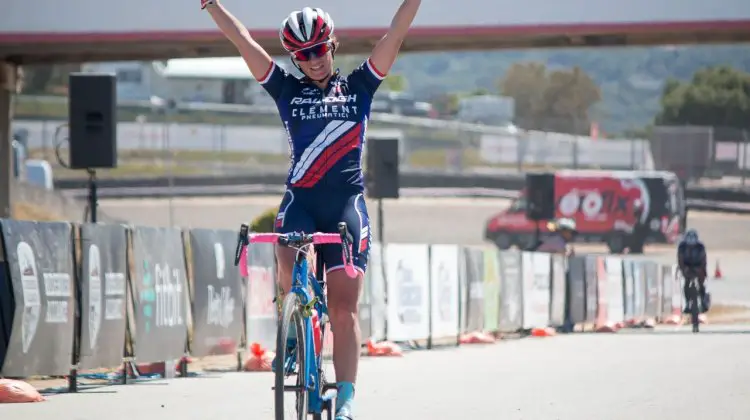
[395,83]
[715,96]
[553,101]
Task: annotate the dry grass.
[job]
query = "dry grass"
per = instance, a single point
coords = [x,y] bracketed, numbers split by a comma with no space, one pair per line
[28,211]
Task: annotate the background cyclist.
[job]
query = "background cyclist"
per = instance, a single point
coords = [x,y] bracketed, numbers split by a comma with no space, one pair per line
[691,258]
[325,115]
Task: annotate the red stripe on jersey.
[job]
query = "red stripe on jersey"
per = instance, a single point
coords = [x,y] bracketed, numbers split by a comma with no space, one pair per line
[330,157]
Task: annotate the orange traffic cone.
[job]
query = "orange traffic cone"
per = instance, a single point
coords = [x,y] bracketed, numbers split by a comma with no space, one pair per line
[717,272]
[542,332]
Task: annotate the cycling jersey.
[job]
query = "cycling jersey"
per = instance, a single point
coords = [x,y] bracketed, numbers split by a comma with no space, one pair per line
[326,132]
[325,127]
[691,256]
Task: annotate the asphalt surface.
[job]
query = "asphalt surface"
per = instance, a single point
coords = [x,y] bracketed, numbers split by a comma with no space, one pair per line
[665,374]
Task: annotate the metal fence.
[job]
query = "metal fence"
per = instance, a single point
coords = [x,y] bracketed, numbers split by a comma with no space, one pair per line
[695,152]
[226,139]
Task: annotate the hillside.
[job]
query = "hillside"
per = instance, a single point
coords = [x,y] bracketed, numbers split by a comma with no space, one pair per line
[631,79]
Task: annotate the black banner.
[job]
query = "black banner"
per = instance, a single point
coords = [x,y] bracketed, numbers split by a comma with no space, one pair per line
[7,305]
[592,288]
[511,292]
[475,296]
[217,298]
[103,284]
[160,294]
[40,262]
[577,289]
[261,290]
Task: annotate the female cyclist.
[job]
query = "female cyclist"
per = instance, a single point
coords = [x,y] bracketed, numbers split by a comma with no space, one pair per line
[325,115]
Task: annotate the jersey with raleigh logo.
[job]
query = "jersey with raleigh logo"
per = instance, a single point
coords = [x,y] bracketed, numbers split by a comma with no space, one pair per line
[326,128]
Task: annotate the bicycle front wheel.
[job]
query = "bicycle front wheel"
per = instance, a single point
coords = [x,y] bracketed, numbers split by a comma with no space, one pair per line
[294,394]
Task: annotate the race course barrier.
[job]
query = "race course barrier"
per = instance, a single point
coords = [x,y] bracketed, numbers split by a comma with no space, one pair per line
[79,297]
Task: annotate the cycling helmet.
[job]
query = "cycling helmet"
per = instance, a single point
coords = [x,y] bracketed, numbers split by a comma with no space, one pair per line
[565,224]
[305,28]
[691,237]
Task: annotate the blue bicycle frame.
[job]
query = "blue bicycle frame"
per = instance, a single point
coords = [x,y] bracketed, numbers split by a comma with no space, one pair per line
[301,277]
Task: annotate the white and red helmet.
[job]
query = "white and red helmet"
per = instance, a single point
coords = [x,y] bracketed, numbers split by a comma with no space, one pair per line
[305,28]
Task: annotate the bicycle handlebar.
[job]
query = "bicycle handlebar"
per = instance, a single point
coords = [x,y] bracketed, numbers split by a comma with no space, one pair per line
[295,240]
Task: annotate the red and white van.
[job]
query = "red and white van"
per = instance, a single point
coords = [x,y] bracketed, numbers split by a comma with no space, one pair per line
[601,203]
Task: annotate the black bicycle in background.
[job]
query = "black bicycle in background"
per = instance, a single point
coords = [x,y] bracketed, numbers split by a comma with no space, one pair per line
[691,276]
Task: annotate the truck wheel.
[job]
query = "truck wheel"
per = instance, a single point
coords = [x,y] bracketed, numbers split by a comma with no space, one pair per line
[503,241]
[616,243]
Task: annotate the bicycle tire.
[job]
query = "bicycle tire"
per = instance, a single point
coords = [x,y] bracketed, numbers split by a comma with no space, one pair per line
[694,309]
[290,318]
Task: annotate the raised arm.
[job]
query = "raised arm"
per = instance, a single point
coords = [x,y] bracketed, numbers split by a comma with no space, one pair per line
[386,50]
[257,59]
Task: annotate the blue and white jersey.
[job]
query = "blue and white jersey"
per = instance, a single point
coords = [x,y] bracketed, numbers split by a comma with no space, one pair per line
[326,127]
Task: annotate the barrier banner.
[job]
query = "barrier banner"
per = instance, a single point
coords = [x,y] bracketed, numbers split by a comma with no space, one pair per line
[7,305]
[444,294]
[667,285]
[217,296]
[592,285]
[408,276]
[678,297]
[475,285]
[614,298]
[40,264]
[376,281]
[511,292]
[651,270]
[536,284]
[577,289]
[463,290]
[103,285]
[491,289]
[261,313]
[627,289]
[639,291]
[557,296]
[160,294]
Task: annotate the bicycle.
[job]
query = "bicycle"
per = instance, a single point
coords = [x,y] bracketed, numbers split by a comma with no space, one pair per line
[311,389]
[694,288]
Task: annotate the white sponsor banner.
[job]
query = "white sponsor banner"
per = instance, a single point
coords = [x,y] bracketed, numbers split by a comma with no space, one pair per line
[444,293]
[536,289]
[615,303]
[408,278]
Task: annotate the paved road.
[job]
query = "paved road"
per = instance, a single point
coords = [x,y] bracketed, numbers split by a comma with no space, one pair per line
[642,375]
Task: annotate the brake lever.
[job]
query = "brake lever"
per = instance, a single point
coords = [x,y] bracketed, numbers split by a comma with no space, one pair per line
[346,241]
[242,241]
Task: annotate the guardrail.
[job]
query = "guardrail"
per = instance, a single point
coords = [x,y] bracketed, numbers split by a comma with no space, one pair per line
[77,295]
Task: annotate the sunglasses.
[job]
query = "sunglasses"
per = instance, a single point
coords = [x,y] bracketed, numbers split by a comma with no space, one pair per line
[316,50]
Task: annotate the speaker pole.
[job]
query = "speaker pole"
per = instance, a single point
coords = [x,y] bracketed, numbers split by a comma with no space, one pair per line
[93,198]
